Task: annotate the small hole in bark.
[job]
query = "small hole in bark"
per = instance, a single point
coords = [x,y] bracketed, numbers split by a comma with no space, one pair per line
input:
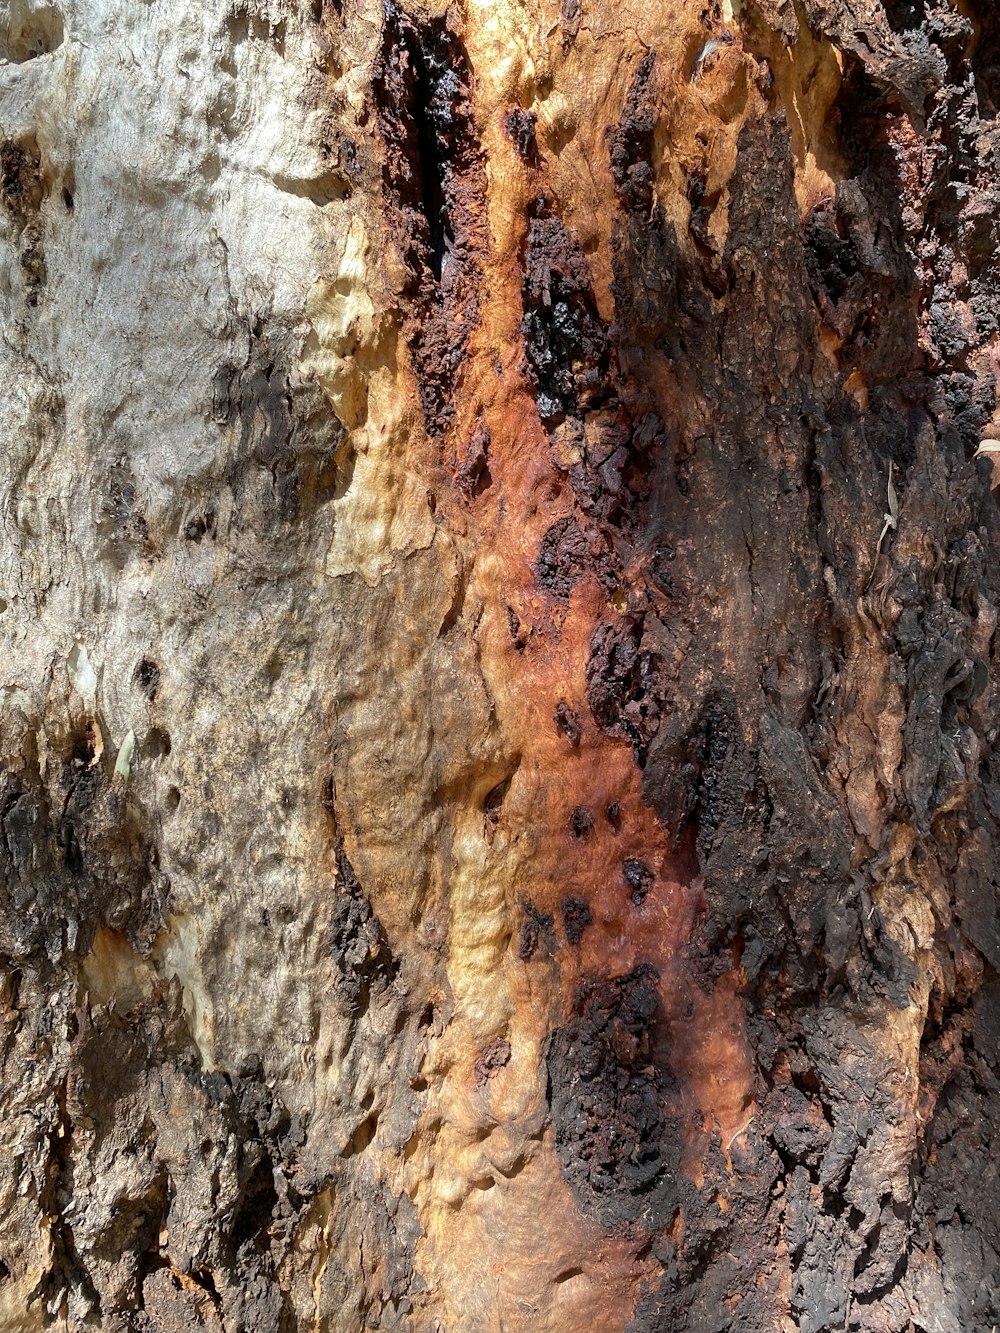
[197,527]
[147,677]
[520,127]
[431,166]
[568,723]
[156,744]
[173,800]
[473,474]
[257,1208]
[203,1277]
[517,631]
[362,1136]
[85,748]
[67,200]
[569,1274]
[581,822]
[494,800]
[31,32]
[70,844]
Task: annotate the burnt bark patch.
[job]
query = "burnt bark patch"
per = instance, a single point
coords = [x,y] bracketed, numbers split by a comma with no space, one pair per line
[713,756]
[638,880]
[434,184]
[520,128]
[755,763]
[605,1093]
[624,685]
[986,53]
[22,192]
[856,277]
[73,853]
[859,268]
[631,142]
[576,917]
[206,1159]
[20,178]
[566,346]
[358,943]
[563,557]
[536,932]
[957,1203]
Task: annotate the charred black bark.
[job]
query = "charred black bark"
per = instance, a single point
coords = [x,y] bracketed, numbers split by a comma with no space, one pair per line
[434,180]
[781,494]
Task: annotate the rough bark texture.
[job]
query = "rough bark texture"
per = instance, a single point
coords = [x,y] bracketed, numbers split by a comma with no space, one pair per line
[491,836]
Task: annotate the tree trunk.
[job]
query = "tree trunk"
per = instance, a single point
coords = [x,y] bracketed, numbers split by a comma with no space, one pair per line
[498,797]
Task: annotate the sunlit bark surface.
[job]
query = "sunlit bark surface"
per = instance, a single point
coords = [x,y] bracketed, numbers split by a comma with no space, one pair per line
[498,791]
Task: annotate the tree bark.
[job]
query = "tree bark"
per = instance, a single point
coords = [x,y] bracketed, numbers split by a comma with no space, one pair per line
[498,787]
